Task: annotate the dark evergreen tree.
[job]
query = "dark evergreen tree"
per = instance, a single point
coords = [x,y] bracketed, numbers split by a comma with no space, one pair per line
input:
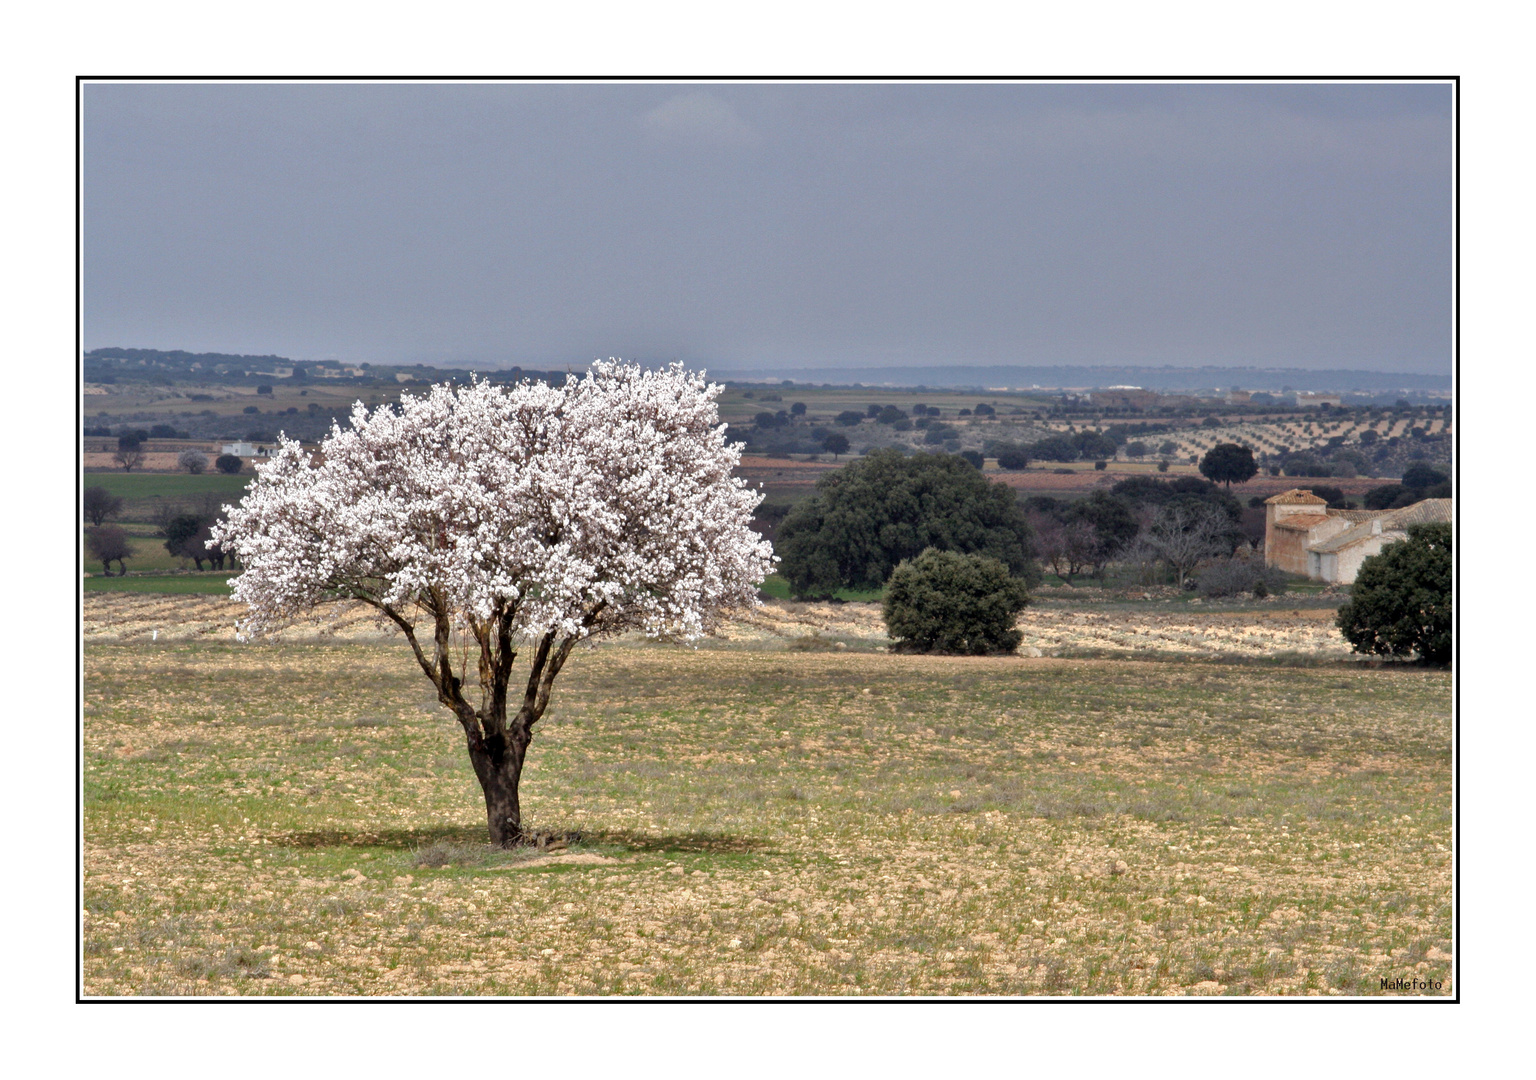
[1400,604]
[866,518]
[1055,448]
[181,538]
[1420,475]
[1228,463]
[1011,456]
[835,443]
[947,602]
[1114,524]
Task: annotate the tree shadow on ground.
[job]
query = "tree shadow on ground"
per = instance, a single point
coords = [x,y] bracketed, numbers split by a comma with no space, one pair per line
[411,839]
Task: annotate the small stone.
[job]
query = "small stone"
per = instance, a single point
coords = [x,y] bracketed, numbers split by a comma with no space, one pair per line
[1230,870]
[546,952]
[296,979]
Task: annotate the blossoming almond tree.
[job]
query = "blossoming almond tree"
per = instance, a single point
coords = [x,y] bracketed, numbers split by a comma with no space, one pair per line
[520,519]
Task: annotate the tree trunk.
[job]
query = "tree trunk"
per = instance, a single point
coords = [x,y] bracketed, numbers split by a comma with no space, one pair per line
[498,765]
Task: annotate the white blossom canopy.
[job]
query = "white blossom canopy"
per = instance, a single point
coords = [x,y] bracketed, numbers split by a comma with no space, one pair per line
[601,506]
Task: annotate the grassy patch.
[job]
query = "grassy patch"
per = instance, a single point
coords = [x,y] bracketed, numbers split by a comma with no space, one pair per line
[141,485]
[147,497]
[207,583]
[302,819]
[778,588]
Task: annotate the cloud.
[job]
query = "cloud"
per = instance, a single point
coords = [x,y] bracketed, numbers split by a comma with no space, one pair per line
[699,118]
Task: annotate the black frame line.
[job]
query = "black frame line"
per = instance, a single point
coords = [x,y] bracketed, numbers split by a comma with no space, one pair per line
[81,81]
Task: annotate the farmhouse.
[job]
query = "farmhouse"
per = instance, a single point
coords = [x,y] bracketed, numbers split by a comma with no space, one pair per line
[1303,536]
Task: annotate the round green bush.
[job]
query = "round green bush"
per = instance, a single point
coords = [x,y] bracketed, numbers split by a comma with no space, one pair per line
[1400,603]
[946,602]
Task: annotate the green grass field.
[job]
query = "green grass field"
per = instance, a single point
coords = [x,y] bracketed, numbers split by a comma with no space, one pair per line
[145,495]
[207,583]
[142,485]
[301,819]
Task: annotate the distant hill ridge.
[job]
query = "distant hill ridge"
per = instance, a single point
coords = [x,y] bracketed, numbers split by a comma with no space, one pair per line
[1061,376]
[181,358]
[963,376]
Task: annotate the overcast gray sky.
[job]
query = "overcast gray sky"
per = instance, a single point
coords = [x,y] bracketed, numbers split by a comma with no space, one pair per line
[774,225]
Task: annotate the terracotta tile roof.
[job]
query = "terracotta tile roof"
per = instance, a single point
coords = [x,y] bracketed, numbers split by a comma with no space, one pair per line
[1301,522]
[1426,510]
[1295,495]
[1392,521]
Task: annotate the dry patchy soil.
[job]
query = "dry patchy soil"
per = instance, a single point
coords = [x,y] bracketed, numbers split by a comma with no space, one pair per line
[299,818]
[1083,629]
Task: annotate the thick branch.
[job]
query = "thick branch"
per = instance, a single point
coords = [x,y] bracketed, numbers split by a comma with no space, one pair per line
[506,653]
[556,662]
[547,662]
[466,716]
[449,686]
[528,713]
[406,628]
